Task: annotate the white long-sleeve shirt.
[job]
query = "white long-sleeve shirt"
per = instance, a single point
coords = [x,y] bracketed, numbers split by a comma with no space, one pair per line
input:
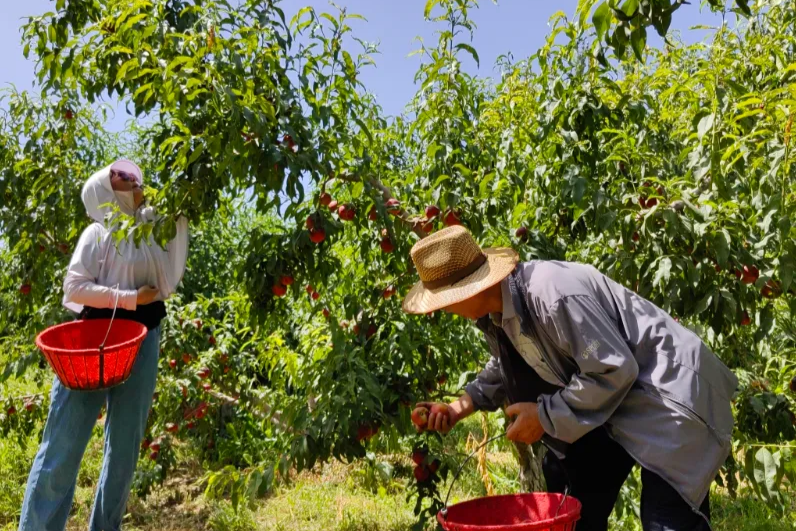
[98,264]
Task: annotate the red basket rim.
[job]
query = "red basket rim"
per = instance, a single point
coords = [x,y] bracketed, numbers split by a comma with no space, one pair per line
[72,352]
[564,517]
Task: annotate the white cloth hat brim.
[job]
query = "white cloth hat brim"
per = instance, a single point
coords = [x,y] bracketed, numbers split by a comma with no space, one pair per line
[127,166]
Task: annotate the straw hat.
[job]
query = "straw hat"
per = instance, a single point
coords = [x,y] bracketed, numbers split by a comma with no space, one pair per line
[453,268]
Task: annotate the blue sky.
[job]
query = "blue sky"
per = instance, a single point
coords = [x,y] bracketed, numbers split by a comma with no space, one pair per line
[516,26]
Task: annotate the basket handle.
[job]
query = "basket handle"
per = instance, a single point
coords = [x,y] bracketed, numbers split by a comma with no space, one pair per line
[113,315]
[564,499]
[461,467]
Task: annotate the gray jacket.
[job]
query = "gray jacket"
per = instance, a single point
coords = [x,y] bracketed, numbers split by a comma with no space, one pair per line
[623,363]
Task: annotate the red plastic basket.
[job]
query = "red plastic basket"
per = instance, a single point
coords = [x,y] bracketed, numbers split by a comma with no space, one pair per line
[537,511]
[75,351]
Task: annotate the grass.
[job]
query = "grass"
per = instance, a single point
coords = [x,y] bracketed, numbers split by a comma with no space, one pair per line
[327,499]
[747,514]
[14,464]
[332,497]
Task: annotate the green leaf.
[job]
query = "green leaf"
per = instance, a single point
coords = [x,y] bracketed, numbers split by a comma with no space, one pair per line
[662,22]
[789,464]
[429,6]
[601,20]
[471,50]
[125,67]
[743,7]
[484,186]
[176,62]
[766,474]
[766,321]
[749,460]
[664,272]
[331,19]
[704,303]
[619,41]
[638,39]
[705,125]
[721,243]
[629,8]
[606,220]
[583,10]
[518,213]
[786,273]
[599,54]
[364,128]
[303,11]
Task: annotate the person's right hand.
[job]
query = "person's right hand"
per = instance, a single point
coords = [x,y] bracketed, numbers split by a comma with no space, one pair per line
[441,417]
[146,295]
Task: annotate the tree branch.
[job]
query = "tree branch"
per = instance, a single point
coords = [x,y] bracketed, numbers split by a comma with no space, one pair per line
[403,215]
[262,411]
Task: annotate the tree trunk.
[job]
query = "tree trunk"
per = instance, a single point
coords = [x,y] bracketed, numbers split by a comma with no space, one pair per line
[530,460]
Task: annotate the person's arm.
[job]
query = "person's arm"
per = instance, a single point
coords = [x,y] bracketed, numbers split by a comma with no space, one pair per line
[462,408]
[170,264]
[80,286]
[486,392]
[607,368]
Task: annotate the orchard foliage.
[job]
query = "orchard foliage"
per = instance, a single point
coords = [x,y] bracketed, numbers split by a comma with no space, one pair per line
[630,19]
[287,345]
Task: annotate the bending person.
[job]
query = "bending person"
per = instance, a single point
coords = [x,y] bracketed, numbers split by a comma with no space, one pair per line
[602,376]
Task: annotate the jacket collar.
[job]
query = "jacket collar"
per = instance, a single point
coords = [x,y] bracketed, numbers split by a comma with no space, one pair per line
[509,308]
[516,291]
[508,313]
[511,290]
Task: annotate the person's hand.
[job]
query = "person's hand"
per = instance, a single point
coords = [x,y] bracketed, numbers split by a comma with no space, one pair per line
[441,417]
[146,295]
[526,427]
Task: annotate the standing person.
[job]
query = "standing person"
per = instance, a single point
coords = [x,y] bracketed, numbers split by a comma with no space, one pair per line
[601,375]
[99,274]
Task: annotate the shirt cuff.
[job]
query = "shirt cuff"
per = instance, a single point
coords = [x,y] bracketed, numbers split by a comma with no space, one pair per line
[480,400]
[127,299]
[544,417]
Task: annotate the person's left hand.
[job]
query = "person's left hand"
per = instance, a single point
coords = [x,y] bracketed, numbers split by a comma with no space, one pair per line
[526,427]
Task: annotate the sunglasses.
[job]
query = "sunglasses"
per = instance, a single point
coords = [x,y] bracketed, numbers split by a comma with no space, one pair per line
[127,177]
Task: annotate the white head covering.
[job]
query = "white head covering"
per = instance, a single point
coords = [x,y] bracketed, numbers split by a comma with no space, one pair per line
[98,194]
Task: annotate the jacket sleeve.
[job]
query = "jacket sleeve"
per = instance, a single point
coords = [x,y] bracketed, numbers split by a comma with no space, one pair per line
[606,371]
[487,389]
[80,286]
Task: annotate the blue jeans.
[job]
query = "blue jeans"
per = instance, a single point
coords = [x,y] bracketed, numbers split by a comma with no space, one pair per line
[51,484]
